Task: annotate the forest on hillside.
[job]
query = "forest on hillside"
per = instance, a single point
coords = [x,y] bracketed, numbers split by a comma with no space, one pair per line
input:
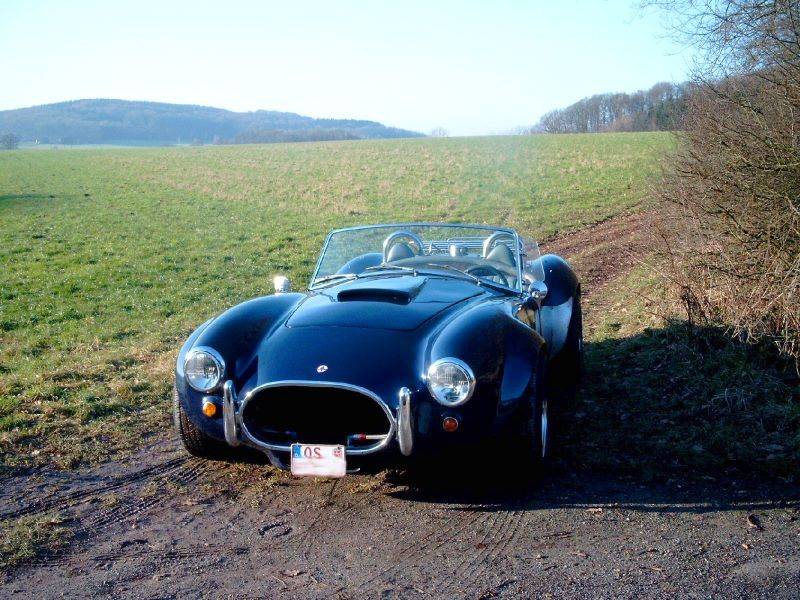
[659,108]
[104,121]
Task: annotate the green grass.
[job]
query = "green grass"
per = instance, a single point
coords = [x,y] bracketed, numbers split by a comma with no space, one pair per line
[111,257]
[26,538]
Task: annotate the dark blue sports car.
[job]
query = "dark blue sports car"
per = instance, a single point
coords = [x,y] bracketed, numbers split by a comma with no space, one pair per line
[410,337]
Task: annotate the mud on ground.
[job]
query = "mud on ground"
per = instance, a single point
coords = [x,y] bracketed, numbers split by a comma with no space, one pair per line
[160,524]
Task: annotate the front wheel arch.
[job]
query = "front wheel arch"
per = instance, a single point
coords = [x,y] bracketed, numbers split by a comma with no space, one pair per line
[194,441]
[567,365]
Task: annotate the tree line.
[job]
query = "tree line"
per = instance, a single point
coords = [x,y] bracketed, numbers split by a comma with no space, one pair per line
[271,136]
[9,141]
[660,108]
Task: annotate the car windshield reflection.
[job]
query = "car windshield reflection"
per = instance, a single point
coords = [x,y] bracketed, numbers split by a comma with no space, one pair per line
[488,255]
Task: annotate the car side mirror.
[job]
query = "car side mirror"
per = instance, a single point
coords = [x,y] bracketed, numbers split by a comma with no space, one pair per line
[282,284]
[537,291]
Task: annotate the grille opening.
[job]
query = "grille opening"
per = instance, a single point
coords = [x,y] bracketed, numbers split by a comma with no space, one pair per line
[315,415]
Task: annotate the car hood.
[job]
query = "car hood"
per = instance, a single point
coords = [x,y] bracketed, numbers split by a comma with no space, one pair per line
[379,360]
[399,303]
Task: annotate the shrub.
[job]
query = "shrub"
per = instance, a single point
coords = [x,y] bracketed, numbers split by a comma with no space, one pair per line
[732,229]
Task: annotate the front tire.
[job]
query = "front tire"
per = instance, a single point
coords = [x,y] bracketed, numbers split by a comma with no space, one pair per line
[193,440]
[537,425]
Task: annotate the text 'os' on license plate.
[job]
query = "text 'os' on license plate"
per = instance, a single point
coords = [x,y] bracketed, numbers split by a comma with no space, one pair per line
[317,460]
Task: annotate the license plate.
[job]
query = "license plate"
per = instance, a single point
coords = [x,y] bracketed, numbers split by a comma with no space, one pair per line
[316,460]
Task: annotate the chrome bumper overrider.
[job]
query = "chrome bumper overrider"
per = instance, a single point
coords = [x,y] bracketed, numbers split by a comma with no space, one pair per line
[229,416]
[236,432]
[405,436]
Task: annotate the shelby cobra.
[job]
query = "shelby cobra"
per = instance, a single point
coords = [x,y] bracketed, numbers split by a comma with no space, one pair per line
[410,337]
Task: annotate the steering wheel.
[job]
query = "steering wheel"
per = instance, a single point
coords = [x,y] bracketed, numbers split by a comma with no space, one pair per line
[488,271]
[394,238]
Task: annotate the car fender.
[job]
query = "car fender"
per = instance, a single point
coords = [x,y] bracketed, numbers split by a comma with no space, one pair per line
[501,351]
[556,309]
[236,333]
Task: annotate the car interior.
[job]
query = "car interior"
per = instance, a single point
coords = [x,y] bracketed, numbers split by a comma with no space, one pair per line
[493,262]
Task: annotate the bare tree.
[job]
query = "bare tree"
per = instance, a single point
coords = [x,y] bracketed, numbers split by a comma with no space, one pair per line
[439,132]
[9,141]
[733,231]
[658,109]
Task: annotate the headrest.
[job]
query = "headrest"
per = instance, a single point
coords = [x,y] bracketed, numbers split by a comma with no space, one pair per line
[399,251]
[502,253]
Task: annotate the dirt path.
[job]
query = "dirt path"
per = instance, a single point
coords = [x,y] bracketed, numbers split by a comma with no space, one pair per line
[603,252]
[160,524]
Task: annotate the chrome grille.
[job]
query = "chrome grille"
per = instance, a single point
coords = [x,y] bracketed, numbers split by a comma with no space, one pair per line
[276,416]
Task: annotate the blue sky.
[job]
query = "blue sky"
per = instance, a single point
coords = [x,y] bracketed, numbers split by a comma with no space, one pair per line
[470,67]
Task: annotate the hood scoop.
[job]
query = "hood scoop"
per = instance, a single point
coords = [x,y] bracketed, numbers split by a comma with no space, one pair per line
[394,290]
[399,303]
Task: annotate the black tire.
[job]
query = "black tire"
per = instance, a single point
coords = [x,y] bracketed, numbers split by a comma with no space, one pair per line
[537,426]
[194,441]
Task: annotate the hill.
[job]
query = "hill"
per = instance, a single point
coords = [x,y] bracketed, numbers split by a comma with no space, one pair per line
[103,121]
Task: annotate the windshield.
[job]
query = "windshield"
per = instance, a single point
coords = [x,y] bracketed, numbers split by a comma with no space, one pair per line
[488,255]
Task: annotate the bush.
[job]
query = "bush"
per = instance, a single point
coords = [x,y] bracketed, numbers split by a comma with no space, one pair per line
[9,141]
[732,229]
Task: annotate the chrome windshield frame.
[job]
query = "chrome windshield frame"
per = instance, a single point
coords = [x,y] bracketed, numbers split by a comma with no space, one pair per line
[517,242]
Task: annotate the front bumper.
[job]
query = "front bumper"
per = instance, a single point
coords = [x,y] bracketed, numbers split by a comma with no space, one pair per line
[401,426]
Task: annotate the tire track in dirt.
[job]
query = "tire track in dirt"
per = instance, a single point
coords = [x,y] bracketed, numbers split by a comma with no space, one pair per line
[479,553]
[501,532]
[475,556]
[417,549]
[63,501]
[175,472]
[188,473]
[312,534]
[472,568]
[147,552]
[605,250]
[479,567]
[139,506]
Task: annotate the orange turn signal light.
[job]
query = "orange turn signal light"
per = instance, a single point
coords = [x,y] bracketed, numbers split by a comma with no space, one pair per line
[209,408]
[450,424]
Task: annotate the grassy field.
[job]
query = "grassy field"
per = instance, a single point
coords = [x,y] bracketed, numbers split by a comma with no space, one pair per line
[111,257]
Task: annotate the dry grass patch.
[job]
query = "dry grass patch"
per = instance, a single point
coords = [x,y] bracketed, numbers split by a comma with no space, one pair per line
[28,538]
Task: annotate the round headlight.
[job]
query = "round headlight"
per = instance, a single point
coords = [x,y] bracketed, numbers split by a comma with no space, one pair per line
[450,381]
[203,369]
